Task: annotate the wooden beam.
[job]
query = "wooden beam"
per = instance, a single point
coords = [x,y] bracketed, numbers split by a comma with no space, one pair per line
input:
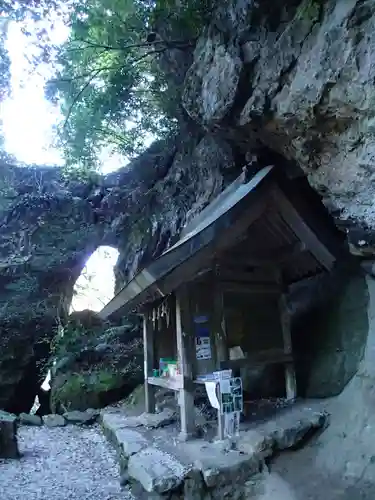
[245,258]
[220,334]
[184,352]
[290,375]
[149,361]
[221,341]
[186,258]
[302,230]
[250,288]
[175,384]
[261,358]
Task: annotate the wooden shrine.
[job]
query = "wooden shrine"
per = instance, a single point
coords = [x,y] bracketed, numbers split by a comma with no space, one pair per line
[247,247]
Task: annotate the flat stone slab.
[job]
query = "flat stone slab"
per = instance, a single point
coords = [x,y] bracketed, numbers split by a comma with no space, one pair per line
[286,430]
[130,441]
[151,420]
[218,465]
[160,465]
[86,417]
[156,471]
[29,419]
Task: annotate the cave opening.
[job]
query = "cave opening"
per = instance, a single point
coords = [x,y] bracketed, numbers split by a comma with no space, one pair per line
[96,283]
[94,287]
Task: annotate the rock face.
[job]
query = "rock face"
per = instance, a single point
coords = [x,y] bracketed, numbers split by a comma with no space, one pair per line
[8,436]
[330,341]
[50,226]
[46,233]
[299,77]
[340,463]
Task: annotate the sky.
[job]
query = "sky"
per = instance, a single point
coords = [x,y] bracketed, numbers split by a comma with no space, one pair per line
[101,290]
[28,118]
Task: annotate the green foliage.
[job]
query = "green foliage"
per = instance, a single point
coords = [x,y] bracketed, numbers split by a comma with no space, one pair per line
[70,341]
[112,92]
[309,10]
[83,172]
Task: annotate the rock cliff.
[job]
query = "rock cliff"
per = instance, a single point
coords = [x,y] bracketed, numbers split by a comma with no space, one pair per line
[298,77]
[290,84]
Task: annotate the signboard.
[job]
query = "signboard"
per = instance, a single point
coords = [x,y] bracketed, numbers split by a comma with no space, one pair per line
[202,338]
[231,404]
[231,397]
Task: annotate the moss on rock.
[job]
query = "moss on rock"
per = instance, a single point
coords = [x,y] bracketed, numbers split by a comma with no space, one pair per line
[97,369]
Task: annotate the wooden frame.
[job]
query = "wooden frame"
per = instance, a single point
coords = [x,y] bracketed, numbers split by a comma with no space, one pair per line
[184,353]
[149,361]
[290,374]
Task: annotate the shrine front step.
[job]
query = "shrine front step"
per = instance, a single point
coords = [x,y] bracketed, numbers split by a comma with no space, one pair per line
[158,466]
[191,471]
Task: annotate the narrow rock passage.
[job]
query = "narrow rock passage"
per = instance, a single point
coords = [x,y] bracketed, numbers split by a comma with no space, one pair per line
[66,463]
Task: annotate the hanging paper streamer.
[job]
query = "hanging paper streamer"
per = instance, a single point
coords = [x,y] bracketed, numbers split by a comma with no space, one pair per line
[211,389]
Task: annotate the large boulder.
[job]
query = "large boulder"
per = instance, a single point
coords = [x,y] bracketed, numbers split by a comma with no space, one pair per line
[95,368]
[330,341]
[8,436]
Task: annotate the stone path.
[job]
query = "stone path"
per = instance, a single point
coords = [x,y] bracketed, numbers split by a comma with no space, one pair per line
[68,463]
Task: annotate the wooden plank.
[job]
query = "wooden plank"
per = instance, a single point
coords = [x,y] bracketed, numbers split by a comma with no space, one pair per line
[302,230]
[175,384]
[268,259]
[250,288]
[184,353]
[262,358]
[290,375]
[149,361]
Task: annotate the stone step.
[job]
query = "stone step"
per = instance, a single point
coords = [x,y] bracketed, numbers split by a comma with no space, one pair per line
[156,470]
[154,459]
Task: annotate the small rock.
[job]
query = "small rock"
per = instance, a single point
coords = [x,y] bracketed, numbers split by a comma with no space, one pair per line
[81,417]
[155,420]
[93,412]
[54,420]
[8,435]
[29,419]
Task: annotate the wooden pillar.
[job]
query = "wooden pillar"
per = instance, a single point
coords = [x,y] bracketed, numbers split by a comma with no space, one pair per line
[221,341]
[149,360]
[290,375]
[185,352]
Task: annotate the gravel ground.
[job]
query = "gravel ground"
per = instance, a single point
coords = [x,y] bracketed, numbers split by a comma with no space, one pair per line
[66,463]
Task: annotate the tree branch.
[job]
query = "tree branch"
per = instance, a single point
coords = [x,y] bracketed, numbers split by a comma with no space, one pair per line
[168,44]
[78,96]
